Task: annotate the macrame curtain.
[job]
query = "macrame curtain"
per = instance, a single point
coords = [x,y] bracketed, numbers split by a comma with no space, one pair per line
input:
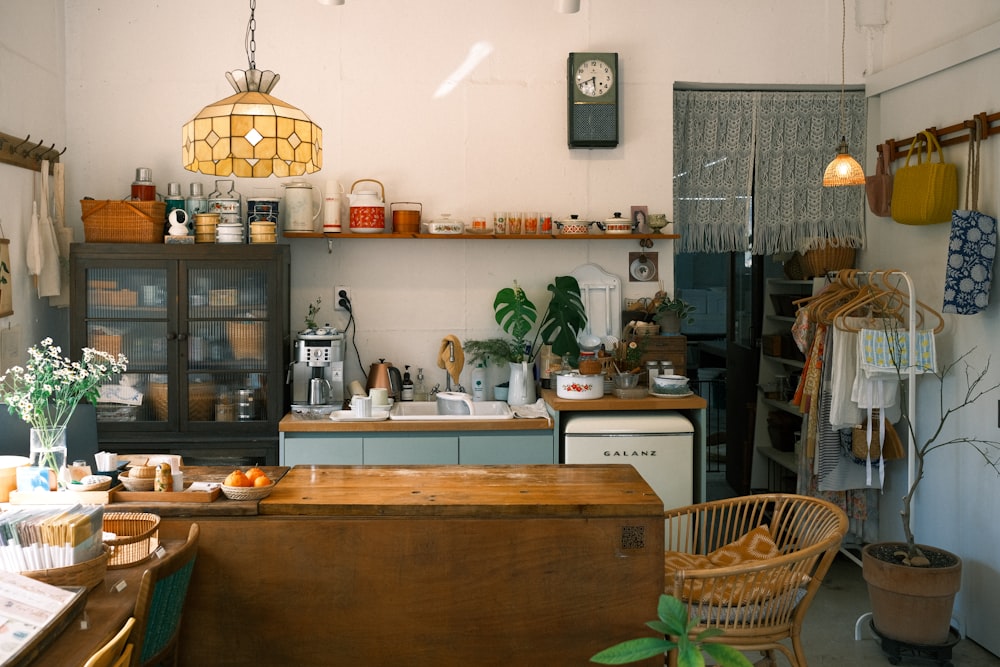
[763,152]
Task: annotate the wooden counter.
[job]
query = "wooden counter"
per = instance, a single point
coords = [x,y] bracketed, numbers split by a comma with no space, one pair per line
[427,565]
[611,402]
[292,423]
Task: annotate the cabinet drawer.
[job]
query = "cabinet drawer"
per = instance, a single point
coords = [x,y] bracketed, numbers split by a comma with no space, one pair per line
[505,449]
[411,450]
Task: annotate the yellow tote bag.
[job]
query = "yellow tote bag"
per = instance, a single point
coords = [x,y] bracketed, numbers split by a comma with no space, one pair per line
[927,192]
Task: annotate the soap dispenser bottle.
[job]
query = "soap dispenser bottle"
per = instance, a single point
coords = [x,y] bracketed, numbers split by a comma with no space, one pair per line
[406,394]
[420,389]
[479,383]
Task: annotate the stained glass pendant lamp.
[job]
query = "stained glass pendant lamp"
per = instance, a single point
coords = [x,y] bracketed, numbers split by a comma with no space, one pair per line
[844,169]
[252,134]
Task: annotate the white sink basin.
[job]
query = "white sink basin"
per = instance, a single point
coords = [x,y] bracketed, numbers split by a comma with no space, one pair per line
[427,411]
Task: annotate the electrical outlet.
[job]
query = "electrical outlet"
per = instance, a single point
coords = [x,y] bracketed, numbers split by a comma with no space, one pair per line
[341,292]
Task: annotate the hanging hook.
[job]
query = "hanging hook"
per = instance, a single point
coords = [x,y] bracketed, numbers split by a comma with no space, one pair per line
[18,147]
[28,152]
[44,152]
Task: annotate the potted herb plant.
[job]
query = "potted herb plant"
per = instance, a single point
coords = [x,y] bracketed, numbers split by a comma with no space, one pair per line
[906,577]
[564,318]
[670,313]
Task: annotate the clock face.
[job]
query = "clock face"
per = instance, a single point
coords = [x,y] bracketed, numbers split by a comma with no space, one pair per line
[594,78]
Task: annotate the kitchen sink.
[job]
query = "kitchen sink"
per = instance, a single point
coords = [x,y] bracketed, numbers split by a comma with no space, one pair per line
[427,411]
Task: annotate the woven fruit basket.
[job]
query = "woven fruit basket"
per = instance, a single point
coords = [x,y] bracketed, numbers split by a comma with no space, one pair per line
[247,492]
[136,537]
[118,221]
[88,573]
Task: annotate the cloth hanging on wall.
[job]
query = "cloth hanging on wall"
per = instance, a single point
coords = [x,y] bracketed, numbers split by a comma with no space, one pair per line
[762,151]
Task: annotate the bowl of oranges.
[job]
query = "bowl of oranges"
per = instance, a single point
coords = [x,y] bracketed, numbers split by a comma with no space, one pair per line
[253,484]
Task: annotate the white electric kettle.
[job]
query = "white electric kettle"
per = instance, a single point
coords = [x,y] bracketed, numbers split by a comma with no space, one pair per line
[302,206]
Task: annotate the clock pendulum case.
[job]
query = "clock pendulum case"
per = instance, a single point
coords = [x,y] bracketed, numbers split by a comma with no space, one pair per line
[592,82]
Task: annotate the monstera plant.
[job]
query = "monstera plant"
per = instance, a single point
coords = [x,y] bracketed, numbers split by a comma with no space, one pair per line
[564,318]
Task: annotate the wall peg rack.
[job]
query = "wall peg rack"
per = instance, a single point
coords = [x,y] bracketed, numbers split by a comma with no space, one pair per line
[26,152]
[947,136]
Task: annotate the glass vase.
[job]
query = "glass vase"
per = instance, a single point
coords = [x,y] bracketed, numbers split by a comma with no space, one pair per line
[48,450]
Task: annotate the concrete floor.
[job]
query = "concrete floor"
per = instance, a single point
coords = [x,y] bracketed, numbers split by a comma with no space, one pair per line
[828,634]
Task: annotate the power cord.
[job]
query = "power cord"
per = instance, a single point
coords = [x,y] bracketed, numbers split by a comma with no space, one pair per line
[345,302]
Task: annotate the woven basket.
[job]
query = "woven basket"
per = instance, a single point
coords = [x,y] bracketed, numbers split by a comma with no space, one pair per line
[115,221]
[201,401]
[247,492]
[88,573]
[821,261]
[136,483]
[136,537]
[246,339]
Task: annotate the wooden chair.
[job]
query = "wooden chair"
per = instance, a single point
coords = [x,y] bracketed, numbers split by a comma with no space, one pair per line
[751,566]
[160,602]
[117,652]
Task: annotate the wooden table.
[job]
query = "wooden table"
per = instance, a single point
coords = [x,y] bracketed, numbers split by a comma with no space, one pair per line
[108,607]
[427,565]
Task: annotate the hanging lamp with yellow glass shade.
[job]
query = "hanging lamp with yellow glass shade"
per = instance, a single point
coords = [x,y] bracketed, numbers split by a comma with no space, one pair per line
[844,169]
[252,134]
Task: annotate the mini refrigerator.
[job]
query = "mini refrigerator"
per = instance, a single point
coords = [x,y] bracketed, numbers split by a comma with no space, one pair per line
[660,445]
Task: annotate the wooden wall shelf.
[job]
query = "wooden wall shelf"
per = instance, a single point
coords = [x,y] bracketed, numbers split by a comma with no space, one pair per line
[481,237]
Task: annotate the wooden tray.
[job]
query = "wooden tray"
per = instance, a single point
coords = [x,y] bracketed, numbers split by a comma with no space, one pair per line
[64,497]
[165,496]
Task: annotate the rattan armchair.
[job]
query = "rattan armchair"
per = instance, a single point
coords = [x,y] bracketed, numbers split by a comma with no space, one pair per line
[751,566]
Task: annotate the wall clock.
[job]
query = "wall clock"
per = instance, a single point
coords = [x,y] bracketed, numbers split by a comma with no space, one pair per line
[592,83]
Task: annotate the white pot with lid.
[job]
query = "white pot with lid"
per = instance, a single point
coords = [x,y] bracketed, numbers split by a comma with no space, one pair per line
[572,225]
[616,224]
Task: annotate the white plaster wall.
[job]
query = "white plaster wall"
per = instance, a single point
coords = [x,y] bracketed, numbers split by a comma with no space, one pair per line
[367,72]
[958,501]
[32,102]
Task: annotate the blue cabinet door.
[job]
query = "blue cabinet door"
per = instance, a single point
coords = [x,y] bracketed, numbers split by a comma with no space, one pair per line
[411,449]
[320,449]
[506,449]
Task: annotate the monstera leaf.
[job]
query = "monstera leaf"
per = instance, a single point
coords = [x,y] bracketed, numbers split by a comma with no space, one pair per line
[515,313]
[565,317]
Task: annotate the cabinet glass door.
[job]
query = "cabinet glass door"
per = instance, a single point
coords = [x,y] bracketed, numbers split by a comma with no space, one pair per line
[226,356]
[127,313]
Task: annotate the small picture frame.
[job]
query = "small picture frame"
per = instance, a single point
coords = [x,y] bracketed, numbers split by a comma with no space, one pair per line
[639,215]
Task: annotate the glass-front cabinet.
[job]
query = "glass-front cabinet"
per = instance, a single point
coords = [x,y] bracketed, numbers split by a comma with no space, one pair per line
[205,329]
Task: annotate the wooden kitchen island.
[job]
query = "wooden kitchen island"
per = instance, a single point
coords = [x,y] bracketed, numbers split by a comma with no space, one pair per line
[427,565]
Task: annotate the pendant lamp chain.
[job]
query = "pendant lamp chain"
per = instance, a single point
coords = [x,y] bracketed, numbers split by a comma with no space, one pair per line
[843,169]
[251,44]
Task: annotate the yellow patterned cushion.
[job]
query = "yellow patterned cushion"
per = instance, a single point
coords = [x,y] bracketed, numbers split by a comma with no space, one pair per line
[737,589]
[755,545]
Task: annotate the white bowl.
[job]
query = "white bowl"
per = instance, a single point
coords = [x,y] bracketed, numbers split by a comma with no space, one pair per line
[670,384]
[574,386]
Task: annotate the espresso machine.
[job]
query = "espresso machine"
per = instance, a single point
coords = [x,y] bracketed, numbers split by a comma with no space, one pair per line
[317,371]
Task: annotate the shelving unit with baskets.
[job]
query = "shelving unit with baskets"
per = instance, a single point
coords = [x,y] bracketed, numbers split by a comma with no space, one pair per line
[777,421]
[205,329]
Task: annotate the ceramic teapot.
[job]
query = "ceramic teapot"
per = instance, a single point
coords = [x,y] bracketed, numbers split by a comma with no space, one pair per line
[367,208]
[303,205]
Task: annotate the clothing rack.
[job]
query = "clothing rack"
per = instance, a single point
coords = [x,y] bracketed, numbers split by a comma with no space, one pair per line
[958,133]
[26,153]
[884,276]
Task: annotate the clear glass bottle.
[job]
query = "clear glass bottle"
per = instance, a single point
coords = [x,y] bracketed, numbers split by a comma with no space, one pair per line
[420,387]
[196,202]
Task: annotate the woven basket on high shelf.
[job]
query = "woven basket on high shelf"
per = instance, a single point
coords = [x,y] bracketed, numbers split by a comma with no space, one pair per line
[820,261]
[115,221]
[136,537]
[88,573]
[246,339]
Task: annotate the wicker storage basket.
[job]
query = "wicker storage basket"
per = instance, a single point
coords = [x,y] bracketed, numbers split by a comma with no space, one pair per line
[246,340]
[247,492]
[88,573]
[201,400]
[137,536]
[116,221]
[821,261]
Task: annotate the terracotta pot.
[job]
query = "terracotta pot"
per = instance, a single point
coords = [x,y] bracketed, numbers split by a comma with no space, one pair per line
[911,604]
